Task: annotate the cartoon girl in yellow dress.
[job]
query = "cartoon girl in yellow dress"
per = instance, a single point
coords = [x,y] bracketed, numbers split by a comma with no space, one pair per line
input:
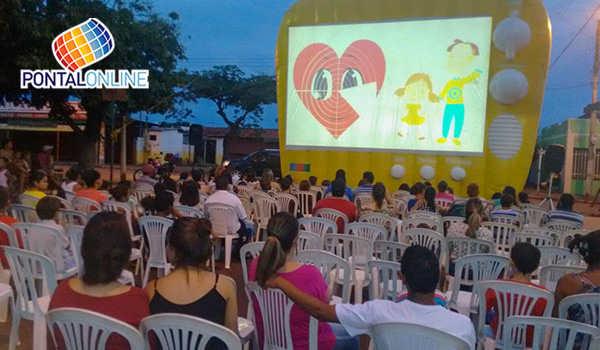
[418,89]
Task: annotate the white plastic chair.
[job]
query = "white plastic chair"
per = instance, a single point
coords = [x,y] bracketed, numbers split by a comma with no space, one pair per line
[247,207]
[513,299]
[275,308]
[565,238]
[86,205]
[502,233]
[532,238]
[459,245]
[309,241]
[589,304]
[449,220]
[183,332]
[287,202]
[223,218]
[319,226]
[561,225]
[383,220]
[28,200]
[362,200]
[83,329]
[70,196]
[125,210]
[424,214]
[534,216]
[254,250]
[371,232]
[389,251]
[550,274]
[386,283]
[63,202]
[548,333]
[414,337]
[429,239]
[401,206]
[72,217]
[469,271]
[418,222]
[24,213]
[244,191]
[156,229]
[189,211]
[543,231]
[203,198]
[264,208]
[443,203]
[5,274]
[507,219]
[336,216]
[330,266]
[140,194]
[400,194]
[27,267]
[257,194]
[558,256]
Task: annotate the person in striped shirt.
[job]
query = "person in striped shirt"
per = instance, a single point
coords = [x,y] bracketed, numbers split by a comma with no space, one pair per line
[564,211]
[367,185]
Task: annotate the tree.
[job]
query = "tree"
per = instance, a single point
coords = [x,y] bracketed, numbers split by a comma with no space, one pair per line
[143,40]
[239,99]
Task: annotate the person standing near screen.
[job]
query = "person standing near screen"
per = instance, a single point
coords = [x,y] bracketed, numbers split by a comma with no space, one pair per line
[460,63]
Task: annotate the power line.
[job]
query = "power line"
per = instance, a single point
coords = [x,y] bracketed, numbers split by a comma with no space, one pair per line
[575,37]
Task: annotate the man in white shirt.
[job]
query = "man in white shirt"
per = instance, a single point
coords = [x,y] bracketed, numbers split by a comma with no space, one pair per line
[420,273]
[47,210]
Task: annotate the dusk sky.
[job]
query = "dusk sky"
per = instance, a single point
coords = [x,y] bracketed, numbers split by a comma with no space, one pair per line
[244,33]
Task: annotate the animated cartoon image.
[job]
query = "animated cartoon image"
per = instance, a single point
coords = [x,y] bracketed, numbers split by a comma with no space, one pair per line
[418,89]
[460,64]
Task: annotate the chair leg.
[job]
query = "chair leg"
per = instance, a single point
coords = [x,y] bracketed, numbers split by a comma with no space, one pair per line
[228,247]
[146,276]
[358,292]
[14,331]
[39,333]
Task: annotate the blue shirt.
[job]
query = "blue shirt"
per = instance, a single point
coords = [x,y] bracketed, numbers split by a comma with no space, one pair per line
[348,193]
[567,215]
[364,189]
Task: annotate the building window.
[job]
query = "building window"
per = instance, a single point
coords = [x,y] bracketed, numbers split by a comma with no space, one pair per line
[580,164]
[152,137]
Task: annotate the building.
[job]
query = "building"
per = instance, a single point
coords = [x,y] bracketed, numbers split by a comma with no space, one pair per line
[162,141]
[248,141]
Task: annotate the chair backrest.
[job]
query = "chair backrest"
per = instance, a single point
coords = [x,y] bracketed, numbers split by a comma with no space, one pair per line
[414,337]
[363,199]
[380,219]
[532,238]
[247,206]
[357,251]
[44,240]
[336,216]
[275,309]
[507,219]
[287,202]
[400,194]
[83,329]
[543,231]
[547,333]
[589,308]
[371,232]
[550,274]
[24,213]
[320,226]
[444,203]
[25,268]
[76,236]
[203,198]
[27,199]
[254,250]
[140,194]
[534,216]
[223,218]
[264,208]
[449,220]
[12,236]
[86,205]
[401,207]
[121,208]
[63,202]
[462,246]
[244,191]
[73,217]
[558,256]
[429,239]
[70,196]
[424,214]
[386,282]
[256,194]
[470,270]
[422,222]
[327,263]
[156,229]
[189,211]
[513,299]
[182,332]
[316,191]
[309,241]
[389,250]
[502,233]
[565,238]
[561,225]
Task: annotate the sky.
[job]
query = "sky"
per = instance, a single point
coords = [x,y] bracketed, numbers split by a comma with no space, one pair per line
[244,33]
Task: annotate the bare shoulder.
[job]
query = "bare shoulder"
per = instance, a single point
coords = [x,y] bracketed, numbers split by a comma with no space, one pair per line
[226,285]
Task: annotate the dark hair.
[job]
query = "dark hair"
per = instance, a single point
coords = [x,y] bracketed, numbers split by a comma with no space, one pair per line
[450,190]
[73,173]
[378,194]
[419,187]
[289,177]
[190,195]
[404,187]
[566,201]
[304,185]
[312,180]
[159,187]
[161,202]
[47,208]
[286,184]
[368,177]
[427,184]
[525,257]
[119,192]
[497,195]
[90,177]
[442,186]
[125,183]
[325,183]
[197,175]
[36,176]
[340,174]
[251,175]
[420,269]
[588,246]
[105,248]
[267,179]
[524,198]
[472,190]
[506,200]
[473,215]
[282,231]
[222,183]
[430,198]
[338,187]
[171,185]
[4,197]
[511,190]
[190,239]
[183,176]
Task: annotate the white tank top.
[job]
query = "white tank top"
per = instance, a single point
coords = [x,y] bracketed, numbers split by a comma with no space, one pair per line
[68,186]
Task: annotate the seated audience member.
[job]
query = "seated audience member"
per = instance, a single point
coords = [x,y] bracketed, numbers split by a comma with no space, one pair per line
[48,209]
[427,184]
[191,289]
[183,176]
[92,181]
[443,191]
[341,174]
[473,191]
[304,185]
[564,211]
[6,178]
[513,194]
[367,184]
[524,198]
[312,180]
[267,183]
[379,204]
[250,178]
[105,250]
[122,194]
[7,220]
[159,187]
[278,258]
[584,282]
[404,187]
[147,180]
[245,228]
[471,227]
[71,184]
[286,186]
[338,202]
[21,169]
[37,187]
[325,183]
[161,205]
[289,177]
[496,195]
[171,185]
[190,195]
[524,260]
[418,190]
[420,273]
[506,202]
[427,203]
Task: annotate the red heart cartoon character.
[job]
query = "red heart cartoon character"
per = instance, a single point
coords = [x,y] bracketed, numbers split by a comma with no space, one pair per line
[320,76]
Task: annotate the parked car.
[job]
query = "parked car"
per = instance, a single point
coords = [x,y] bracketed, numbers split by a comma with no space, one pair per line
[259,161]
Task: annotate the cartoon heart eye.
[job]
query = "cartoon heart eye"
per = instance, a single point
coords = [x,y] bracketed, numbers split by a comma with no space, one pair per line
[351,78]
[322,84]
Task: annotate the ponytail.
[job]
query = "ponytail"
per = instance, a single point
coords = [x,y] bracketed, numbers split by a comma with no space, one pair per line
[271,259]
[473,216]
[474,222]
[588,247]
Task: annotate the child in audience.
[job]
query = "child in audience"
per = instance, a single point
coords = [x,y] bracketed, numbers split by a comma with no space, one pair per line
[190,195]
[404,187]
[304,185]
[506,202]
[496,195]
[312,180]
[427,203]
[326,183]
[524,198]
[48,209]
[443,191]
[418,190]
[379,204]
[286,185]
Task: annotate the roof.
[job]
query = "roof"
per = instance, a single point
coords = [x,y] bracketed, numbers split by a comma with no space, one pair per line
[244,133]
[25,111]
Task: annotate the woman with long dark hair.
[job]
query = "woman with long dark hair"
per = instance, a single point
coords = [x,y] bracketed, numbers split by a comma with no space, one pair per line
[471,228]
[379,204]
[190,195]
[427,203]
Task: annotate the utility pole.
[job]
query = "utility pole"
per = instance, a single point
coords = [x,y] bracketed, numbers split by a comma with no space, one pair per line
[591,164]
[124,149]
